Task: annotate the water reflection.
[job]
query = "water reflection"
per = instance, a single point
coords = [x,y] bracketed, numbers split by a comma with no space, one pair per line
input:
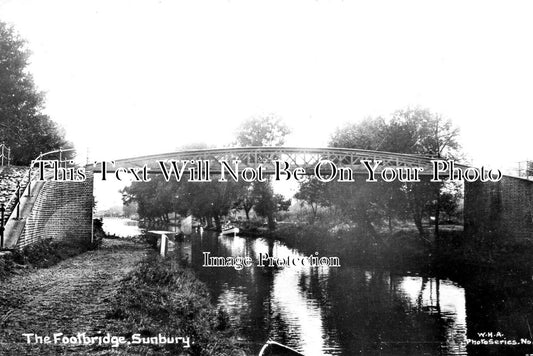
[330,311]
[121,227]
[302,312]
[352,310]
[444,299]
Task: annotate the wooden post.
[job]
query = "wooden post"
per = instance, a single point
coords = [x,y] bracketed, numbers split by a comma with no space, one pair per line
[29,182]
[164,245]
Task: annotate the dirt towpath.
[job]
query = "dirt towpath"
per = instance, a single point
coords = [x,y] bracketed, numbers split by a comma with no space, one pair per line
[70,297]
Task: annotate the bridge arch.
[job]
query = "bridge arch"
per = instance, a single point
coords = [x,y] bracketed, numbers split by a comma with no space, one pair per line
[304,157]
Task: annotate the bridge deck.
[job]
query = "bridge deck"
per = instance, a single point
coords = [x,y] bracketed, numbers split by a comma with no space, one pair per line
[307,158]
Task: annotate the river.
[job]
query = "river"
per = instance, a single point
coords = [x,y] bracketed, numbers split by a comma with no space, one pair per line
[350,310]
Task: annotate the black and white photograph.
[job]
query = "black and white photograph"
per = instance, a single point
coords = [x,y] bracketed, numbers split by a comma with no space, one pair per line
[262,178]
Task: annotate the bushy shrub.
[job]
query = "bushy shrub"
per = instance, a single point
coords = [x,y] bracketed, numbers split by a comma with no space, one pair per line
[6,265]
[47,252]
[163,297]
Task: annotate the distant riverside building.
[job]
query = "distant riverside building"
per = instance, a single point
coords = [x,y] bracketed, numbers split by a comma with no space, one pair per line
[525,169]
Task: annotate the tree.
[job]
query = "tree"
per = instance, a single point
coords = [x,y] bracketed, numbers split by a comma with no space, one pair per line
[210,200]
[369,134]
[246,199]
[153,199]
[206,200]
[269,203]
[313,192]
[434,136]
[23,126]
[411,131]
[130,209]
[262,131]
[367,204]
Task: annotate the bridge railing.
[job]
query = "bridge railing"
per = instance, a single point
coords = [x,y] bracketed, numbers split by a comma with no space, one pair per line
[296,156]
[63,161]
[5,155]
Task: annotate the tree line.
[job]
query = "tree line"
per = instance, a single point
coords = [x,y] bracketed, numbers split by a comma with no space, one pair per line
[367,205]
[212,201]
[24,127]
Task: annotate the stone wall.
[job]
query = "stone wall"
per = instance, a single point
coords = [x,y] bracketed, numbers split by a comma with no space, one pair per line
[62,210]
[503,209]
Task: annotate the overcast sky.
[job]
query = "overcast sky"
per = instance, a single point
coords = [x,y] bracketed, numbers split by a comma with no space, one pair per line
[127,78]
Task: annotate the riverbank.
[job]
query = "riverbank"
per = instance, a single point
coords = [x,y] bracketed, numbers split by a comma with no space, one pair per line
[401,251]
[121,289]
[43,254]
[404,250]
[163,298]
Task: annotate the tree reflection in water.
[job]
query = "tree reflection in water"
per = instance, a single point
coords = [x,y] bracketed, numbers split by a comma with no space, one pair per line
[335,311]
[370,311]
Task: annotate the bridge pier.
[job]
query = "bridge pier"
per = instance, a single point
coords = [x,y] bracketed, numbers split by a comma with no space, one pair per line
[501,212]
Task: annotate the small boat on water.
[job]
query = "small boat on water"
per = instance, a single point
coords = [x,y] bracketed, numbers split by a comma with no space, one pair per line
[231,230]
[272,348]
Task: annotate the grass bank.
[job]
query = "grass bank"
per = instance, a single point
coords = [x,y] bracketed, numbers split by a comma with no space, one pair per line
[47,252]
[42,254]
[123,289]
[162,297]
